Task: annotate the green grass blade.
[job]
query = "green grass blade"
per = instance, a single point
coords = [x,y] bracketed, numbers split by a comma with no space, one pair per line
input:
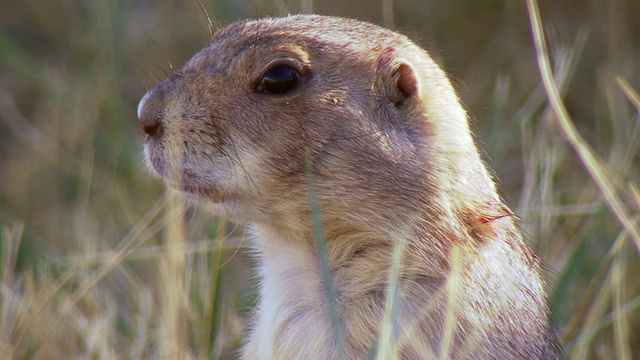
[324,261]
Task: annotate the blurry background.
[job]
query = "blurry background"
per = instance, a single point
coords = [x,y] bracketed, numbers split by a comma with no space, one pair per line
[95,263]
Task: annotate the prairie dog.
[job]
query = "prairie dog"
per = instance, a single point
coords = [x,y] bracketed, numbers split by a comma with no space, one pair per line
[392,163]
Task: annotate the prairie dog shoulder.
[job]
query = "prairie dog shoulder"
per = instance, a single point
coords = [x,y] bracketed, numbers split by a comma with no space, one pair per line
[393,164]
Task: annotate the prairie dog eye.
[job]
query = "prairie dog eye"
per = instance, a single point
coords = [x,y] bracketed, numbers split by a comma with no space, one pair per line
[280,77]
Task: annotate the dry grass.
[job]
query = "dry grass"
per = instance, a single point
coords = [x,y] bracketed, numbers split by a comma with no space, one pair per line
[96,262]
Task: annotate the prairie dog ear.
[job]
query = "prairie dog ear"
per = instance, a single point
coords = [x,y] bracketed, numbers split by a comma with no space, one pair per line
[397,80]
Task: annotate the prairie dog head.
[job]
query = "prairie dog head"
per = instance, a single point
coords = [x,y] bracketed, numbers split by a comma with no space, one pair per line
[370,111]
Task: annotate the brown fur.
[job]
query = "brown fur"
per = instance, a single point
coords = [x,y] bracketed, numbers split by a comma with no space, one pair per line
[393,164]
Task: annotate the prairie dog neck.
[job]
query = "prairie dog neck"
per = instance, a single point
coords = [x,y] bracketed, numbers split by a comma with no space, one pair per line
[293,298]
[294,295]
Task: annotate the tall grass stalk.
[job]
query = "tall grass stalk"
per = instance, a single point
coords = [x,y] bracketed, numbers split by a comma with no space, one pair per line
[324,261]
[387,346]
[9,244]
[172,269]
[612,287]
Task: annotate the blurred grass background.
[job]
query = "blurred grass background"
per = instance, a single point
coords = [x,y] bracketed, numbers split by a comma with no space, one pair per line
[97,262]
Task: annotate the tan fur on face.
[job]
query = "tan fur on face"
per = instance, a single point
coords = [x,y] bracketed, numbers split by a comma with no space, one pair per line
[393,163]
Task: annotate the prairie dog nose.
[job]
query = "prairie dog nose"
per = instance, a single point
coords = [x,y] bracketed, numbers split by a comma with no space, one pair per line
[150,113]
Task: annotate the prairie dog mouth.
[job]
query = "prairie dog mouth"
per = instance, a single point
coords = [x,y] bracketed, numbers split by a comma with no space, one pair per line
[199,193]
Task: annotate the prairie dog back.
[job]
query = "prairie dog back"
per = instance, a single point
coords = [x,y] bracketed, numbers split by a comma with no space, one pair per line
[394,168]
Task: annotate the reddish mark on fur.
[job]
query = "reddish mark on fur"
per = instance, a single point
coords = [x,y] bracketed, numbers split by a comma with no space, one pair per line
[481,221]
[486,218]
